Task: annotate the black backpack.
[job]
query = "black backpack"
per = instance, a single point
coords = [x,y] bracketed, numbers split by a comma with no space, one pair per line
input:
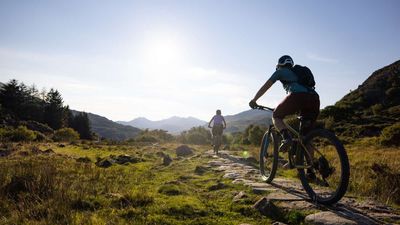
[304,76]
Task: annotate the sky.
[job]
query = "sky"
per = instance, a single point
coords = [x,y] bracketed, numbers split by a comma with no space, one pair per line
[157,59]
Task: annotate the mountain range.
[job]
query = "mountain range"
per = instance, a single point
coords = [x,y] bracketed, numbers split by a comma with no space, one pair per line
[109,129]
[173,125]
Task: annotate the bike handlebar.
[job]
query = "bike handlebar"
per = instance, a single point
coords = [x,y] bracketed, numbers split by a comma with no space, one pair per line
[260,107]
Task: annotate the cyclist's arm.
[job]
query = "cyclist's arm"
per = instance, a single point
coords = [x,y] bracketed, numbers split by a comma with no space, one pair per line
[209,124]
[223,119]
[263,89]
[275,76]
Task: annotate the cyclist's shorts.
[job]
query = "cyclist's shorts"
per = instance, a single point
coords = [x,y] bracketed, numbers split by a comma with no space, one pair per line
[217,129]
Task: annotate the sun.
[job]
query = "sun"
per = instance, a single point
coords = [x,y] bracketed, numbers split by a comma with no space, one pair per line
[163,52]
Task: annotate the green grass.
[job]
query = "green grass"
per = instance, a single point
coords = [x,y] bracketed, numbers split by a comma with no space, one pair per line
[55,189]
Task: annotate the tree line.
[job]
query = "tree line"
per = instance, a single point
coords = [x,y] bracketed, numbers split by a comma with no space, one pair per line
[19,102]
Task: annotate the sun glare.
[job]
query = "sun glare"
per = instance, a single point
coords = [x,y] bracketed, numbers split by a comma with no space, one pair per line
[163,52]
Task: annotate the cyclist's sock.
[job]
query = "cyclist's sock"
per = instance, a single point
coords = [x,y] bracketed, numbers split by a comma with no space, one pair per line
[286,140]
[285,134]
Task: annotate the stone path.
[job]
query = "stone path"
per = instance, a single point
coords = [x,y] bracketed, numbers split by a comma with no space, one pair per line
[289,195]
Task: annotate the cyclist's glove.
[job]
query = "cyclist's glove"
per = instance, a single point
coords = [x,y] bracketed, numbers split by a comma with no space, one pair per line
[253,104]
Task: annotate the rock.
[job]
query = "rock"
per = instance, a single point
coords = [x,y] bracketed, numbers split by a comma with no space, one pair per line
[283,196]
[267,208]
[251,160]
[231,175]
[217,186]
[83,160]
[184,150]
[215,163]
[279,223]
[200,170]
[328,218]
[239,196]
[160,154]
[125,159]
[166,160]
[4,153]
[263,190]
[48,151]
[35,150]
[23,153]
[61,145]
[104,163]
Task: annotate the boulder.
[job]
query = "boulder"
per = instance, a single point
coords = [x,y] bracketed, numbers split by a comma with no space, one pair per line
[104,163]
[125,159]
[217,186]
[267,208]
[166,160]
[84,160]
[35,150]
[239,196]
[184,150]
[200,170]
[328,218]
[48,151]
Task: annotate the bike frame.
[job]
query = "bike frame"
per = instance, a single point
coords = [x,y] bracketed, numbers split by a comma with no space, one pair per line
[297,137]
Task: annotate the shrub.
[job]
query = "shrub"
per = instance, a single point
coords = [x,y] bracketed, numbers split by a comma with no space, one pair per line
[196,135]
[329,123]
[395,110]
[391,135]
[376,109]
[256,134]
[146,138]
[21,134]
[66,134]
[40,136]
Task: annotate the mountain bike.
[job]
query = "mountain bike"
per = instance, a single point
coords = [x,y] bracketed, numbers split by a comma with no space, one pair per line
[216,141]
[319,152]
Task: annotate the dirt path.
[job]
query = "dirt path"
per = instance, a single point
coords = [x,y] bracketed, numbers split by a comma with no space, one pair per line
[289,195]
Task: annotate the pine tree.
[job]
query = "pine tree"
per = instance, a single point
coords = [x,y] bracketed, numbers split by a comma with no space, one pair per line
[54,112]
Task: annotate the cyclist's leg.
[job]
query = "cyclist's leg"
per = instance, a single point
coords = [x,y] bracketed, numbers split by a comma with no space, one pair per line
[310,111]
[287,107]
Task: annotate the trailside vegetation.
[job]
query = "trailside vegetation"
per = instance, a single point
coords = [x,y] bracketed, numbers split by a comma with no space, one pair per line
[40,111]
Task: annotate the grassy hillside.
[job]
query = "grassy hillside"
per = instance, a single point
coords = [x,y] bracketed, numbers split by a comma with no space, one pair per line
[109,129]
[366,111]
[66,187]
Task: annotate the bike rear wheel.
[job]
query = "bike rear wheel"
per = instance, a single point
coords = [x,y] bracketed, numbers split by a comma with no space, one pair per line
[269,152]
[217,143]
[330,165]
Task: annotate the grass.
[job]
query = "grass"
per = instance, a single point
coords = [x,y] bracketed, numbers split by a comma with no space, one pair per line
[56,189]
[365,157]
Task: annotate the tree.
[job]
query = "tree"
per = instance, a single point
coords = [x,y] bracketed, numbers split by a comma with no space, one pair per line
[11,97]
[80,123]
[54,112]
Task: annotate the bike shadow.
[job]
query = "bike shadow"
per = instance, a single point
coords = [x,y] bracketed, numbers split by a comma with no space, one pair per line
[343,208]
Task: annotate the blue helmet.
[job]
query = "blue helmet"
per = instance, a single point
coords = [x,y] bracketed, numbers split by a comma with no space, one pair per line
[285,60]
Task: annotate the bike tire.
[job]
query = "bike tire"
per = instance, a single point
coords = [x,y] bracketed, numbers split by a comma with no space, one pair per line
[344,165]
[217,143]
[268,161]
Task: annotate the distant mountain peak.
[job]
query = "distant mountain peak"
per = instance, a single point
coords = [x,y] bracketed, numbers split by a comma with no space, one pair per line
[173,124]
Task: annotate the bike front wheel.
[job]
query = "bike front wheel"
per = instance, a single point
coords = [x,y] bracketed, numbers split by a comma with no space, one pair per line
[329,164]
[269,152]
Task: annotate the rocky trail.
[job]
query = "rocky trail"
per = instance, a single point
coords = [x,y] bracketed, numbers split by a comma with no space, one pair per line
[284,195]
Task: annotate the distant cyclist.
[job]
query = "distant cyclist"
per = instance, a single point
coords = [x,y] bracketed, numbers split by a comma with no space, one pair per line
[301,98]
[219,123]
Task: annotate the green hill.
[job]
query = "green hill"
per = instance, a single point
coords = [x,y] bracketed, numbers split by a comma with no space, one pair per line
[109,129]
[366,111]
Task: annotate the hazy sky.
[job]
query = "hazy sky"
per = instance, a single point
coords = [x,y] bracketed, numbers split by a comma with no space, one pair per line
[124,59]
